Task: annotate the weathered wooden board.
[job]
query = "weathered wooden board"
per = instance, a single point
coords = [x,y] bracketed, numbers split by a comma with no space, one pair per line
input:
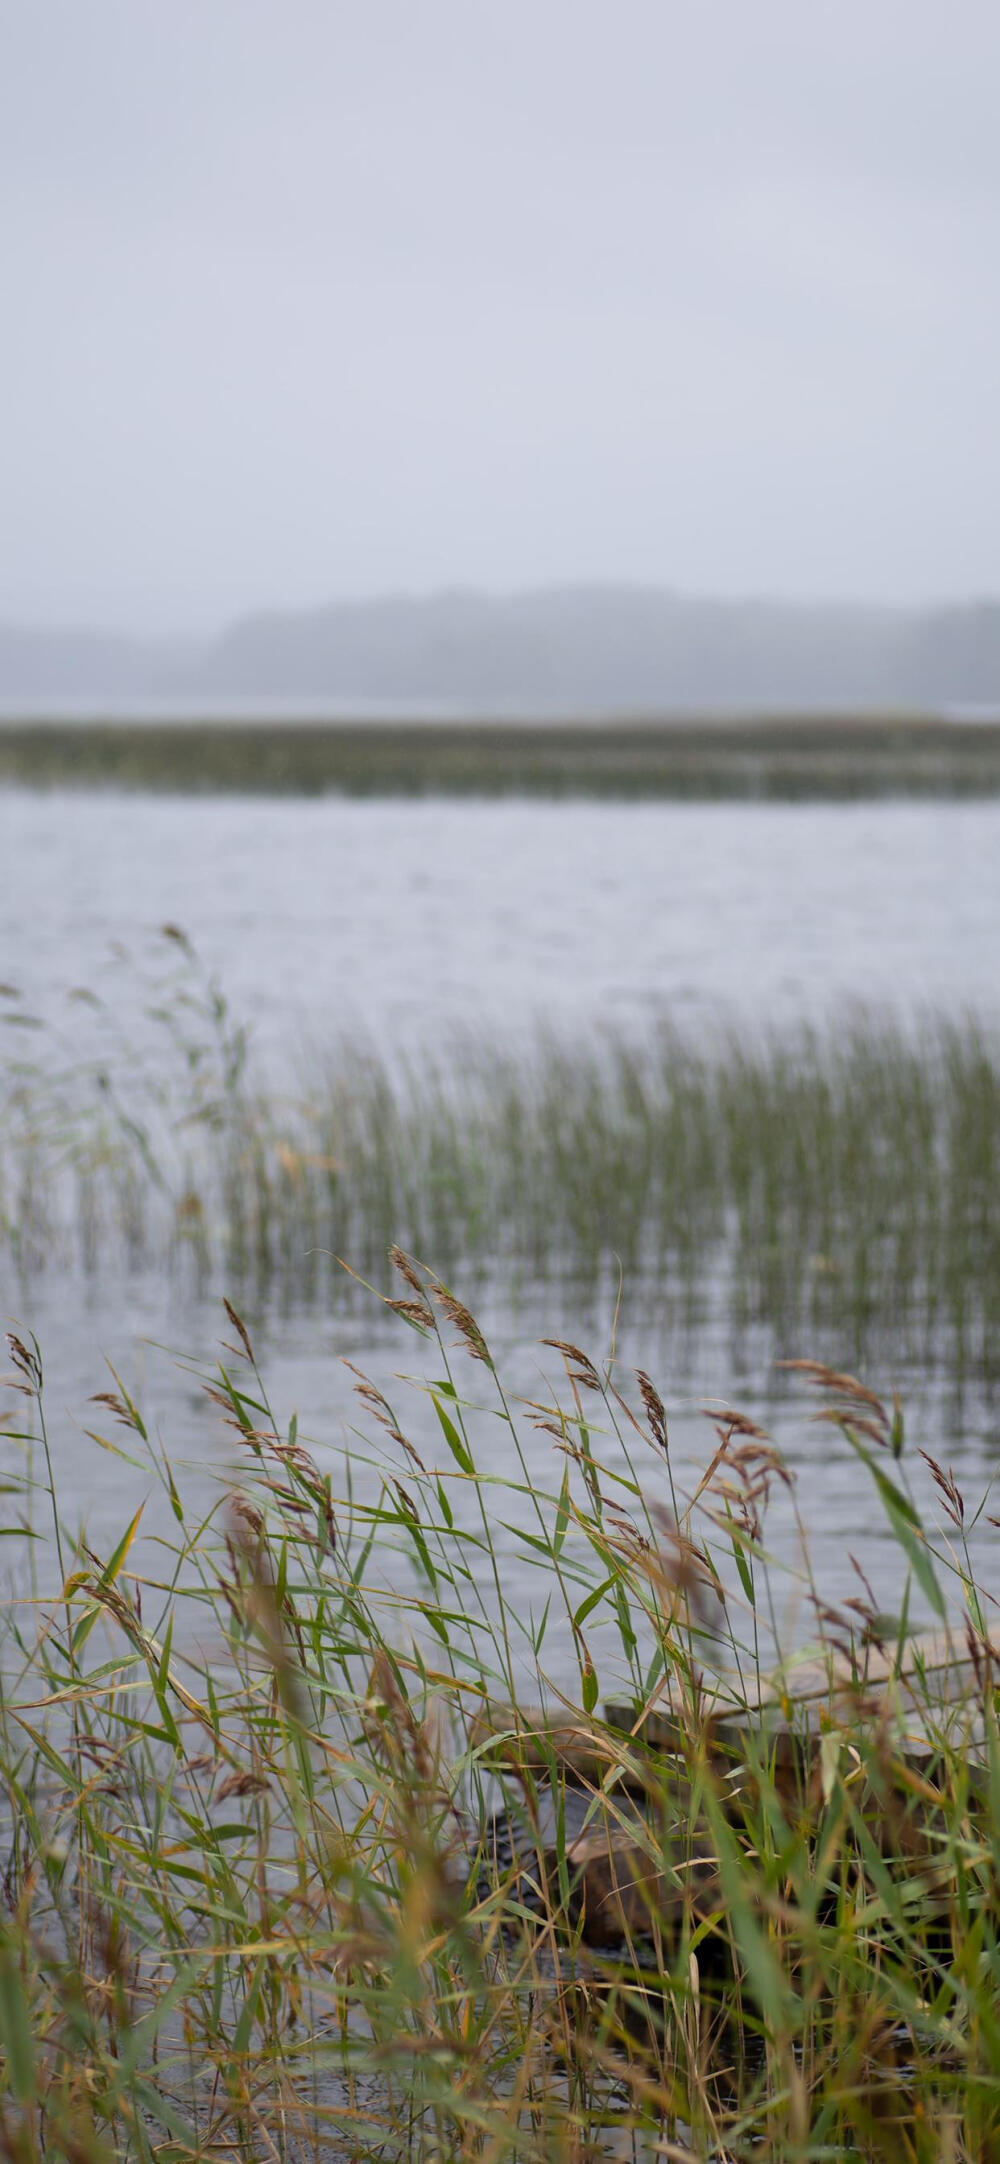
[933,1668]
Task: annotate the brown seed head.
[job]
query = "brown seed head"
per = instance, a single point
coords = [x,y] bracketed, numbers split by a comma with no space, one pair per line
[407,1270]
[27,1364]
[953,1499]
[241,1331]
[580,1368]
[655,1409]
[465,1324]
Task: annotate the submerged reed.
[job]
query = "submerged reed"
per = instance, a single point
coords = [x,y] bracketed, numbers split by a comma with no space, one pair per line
[279,1879]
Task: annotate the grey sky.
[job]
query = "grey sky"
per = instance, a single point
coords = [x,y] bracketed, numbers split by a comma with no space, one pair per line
[312,300]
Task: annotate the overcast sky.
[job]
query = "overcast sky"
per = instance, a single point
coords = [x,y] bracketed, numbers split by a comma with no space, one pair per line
[317,298]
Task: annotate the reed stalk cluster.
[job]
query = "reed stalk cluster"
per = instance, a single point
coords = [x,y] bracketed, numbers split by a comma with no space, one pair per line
[834,1187]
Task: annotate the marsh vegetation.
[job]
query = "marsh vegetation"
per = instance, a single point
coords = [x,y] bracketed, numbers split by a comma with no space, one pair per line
[270,1889]
[791,759]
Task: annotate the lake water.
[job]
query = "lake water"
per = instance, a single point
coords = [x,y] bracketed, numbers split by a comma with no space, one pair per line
[400,917]
[329,918]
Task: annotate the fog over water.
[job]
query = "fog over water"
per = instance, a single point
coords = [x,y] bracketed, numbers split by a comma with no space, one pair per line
[599,650]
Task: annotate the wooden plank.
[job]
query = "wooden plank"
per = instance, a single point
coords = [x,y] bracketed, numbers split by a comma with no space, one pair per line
[787,1704]
[932,1664]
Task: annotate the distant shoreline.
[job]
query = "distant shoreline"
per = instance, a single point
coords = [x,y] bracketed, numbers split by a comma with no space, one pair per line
[791,757]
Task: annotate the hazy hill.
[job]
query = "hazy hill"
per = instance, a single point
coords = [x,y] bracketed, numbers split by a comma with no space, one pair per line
[598,648]
[573,650]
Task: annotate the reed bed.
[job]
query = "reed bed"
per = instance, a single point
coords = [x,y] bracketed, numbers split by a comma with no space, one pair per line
[835,1187]
[271,1889]
[781,758]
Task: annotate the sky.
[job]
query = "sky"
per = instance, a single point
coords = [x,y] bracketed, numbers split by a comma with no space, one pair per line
[305,300]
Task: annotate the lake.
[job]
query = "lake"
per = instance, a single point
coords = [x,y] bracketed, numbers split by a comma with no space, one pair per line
[400,922]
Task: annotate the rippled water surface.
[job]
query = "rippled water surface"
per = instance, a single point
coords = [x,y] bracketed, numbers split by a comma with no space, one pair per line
[323,915]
